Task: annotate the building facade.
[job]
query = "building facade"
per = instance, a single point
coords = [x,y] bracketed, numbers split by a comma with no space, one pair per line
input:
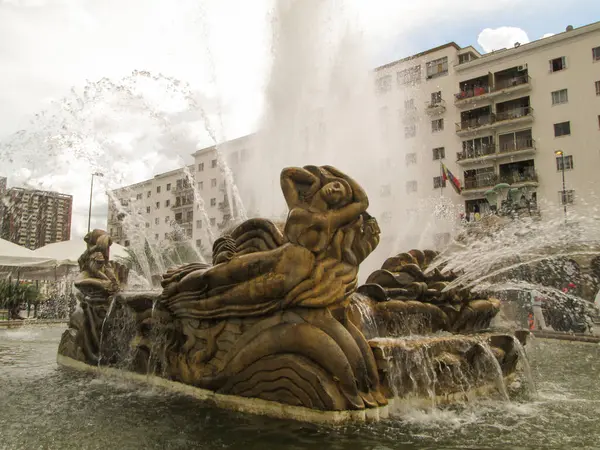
[33,218]
[517,116]
[512,116]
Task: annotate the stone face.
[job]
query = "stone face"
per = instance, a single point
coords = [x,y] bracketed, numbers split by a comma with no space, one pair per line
[275,316]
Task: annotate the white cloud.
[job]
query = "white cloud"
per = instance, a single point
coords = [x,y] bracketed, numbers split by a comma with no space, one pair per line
[547,35]
[503,37]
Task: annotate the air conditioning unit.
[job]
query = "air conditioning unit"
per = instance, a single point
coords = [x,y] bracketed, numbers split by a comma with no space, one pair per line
[522,68]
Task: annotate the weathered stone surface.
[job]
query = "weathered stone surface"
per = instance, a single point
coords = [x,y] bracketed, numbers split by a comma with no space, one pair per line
[275,318]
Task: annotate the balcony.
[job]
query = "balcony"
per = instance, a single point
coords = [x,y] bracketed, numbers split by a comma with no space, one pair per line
[183,188]
[483,121]
[182,205]
[516,177]
[512,84]
[474,155]
[435,108]
[515,115]
[491,152]
[469,95]
[481,182]
[520,146]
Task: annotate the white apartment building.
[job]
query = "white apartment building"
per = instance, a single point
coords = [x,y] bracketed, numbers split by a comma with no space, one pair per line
[500,118]
[493,118]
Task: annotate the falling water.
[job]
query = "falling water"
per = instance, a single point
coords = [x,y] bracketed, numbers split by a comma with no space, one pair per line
[106,317]
[362,303]
[523,360]
[491,360]
[200,207]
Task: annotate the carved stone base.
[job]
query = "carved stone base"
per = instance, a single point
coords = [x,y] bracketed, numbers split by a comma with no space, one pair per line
[278,410]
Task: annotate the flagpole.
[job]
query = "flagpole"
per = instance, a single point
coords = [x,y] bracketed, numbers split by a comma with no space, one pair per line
[442,180]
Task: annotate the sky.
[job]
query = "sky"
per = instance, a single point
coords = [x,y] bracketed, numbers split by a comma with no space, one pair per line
[50,50]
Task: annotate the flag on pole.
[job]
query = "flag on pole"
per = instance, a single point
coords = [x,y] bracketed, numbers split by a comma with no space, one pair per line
[447,176]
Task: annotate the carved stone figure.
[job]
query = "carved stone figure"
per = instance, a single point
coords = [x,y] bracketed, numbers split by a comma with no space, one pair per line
[277,316]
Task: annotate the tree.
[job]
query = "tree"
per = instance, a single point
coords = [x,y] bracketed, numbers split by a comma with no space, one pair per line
[13,295]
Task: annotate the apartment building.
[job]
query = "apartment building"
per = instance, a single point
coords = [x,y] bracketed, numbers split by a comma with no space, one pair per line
[501,118]
[494,118]
[33,218]
[159,208]
[192,203]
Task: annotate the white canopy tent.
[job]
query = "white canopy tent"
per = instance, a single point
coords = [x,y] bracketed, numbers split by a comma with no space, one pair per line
[13,256]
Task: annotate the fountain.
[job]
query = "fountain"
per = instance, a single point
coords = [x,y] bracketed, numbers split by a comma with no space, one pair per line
[276,325]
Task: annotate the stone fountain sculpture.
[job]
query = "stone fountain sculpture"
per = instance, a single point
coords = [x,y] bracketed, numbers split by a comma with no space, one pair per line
[278,315]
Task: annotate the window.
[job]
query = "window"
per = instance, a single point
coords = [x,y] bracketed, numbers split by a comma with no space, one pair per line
[213,202]
[411,158]
[568,162]
[562,129]
[410,131]
[436,97]
[597,84]
[596,54]
[156,221]
[178,217]
[126,243]
[410,76]
[439,153]
[213,163]
[148,194]
[147,210]
[167,203]
[200,185]
[189,216]
[167,218]
[147,224]
[158,189]
[157,205]
[384,84]
[213,182]
[566,197]
[213,221]
[156,237]
[559,97]
[464,58]
[198,243]
[439,182]
[437,68]
[166,235]
[198,224]
[385,190]
[409,105]
[411,186]
[558,64]
[138,196]
[437,125]
[598,121]
[201,167]
[168,186]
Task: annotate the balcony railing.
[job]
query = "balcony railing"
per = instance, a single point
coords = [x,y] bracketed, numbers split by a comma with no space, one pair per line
[476,122]
[515,81]
[471,92]
[472,153]
[518,145]
[481,181]
[521,176]
[435,107]
[515,113]
[182,188]
[182,205]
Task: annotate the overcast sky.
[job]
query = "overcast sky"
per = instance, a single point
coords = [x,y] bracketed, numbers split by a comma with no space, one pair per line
[221,48]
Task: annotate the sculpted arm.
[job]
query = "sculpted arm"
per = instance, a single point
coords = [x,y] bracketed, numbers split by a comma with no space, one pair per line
[294,177]
[360,201]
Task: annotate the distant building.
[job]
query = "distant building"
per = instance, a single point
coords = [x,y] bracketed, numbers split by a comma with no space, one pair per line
[168,206]
[33,218]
